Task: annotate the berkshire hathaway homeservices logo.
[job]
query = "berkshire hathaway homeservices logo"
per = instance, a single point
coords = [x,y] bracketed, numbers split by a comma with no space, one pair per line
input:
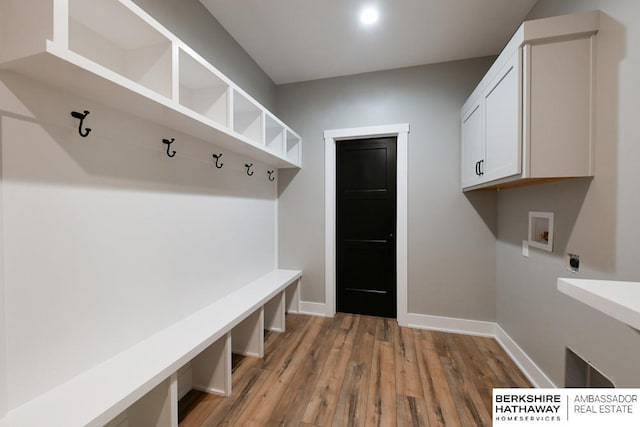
[526,406]
[583,407]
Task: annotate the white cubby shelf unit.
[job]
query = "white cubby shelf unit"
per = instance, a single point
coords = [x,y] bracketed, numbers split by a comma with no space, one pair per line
[140,386]
[113,52]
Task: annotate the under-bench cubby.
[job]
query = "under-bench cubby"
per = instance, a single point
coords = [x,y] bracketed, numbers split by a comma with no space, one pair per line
[274,312]
[113,52]
[156,408]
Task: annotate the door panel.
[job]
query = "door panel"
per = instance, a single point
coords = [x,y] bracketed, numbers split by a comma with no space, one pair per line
[360,176]
[502,124]
[472,147]
[365,226]
[360,224]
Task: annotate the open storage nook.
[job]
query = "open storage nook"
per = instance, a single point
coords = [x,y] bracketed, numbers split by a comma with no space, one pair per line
[112,52]
[273,134]
[209,369]
[248,118]
[274,312]
[141,385]
[201,90]
[132,48]
[293,147]
[156,408]
[247,338]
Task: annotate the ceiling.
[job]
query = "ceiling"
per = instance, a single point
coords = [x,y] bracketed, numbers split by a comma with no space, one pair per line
[299,40]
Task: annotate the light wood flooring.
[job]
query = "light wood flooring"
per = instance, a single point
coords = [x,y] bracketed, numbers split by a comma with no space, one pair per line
[359,371]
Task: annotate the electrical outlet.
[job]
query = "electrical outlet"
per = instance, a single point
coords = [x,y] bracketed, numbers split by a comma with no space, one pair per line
[573,262]
[525,248]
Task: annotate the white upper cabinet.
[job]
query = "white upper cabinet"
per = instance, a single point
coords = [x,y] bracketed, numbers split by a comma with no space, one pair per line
[112,52]
[531,117]
[491,128]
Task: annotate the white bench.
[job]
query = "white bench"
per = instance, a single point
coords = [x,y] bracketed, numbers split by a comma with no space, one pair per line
[141,382]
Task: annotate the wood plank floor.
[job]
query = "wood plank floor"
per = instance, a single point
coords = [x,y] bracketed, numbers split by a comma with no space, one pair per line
[359,371]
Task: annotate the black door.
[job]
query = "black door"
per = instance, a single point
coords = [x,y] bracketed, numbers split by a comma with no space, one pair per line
[366,226]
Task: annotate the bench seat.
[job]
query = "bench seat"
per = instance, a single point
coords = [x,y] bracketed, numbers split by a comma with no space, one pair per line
[101,393]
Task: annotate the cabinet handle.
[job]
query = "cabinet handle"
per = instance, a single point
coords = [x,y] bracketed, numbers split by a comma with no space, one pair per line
[478,168]
[480,164]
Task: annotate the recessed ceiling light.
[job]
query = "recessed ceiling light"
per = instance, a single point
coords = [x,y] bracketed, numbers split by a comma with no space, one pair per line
[369,16]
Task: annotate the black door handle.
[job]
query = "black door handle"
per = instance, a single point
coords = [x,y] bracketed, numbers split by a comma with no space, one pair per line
[480,164]
[477,166]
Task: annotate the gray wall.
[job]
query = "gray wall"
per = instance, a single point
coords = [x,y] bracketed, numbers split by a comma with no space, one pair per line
[194,25]
[596,219]
[451,247]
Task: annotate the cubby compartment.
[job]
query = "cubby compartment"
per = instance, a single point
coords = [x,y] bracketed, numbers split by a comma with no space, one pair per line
[293,148]
[201,90]
[274,135]
[247,337]
[274,313]
[247,118]
[211,369]
[109,34]
[156,408]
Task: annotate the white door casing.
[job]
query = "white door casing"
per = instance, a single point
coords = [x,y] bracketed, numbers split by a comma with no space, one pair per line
[331,137]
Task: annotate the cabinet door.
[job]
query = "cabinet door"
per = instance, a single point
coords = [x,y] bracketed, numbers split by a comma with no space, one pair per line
[472,146]
[503,123]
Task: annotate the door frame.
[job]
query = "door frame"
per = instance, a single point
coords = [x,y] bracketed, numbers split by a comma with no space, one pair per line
[331,137]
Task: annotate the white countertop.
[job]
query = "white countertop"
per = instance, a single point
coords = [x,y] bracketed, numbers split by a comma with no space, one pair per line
[620,300]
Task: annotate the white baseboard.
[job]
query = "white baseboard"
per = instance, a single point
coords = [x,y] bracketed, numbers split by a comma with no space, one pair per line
[451,324]
[486,329]
[537,377]
[313,308]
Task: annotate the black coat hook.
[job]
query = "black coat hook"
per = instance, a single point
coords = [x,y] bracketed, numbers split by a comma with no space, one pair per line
[249,166]
[81,117]
[169,142]
[217,157]
[271,178]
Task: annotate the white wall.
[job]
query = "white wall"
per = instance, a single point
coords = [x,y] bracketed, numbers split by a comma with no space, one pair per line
[451,272]
[596,219]
[107,240]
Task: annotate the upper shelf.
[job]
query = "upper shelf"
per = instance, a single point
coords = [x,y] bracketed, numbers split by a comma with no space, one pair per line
[114,52]
[620,300]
